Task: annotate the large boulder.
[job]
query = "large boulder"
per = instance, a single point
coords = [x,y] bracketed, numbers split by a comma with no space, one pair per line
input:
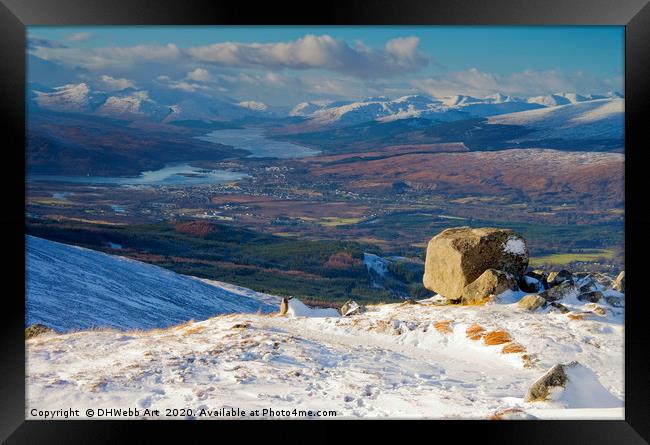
[456,257]
[489,283]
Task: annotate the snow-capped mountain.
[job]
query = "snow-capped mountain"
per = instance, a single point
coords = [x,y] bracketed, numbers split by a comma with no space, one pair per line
[443,109]
[587,119]
[70,287]
[69,98]
[152,104]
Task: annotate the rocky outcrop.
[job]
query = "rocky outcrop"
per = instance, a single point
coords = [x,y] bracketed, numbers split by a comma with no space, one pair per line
[457,257]
[489,283]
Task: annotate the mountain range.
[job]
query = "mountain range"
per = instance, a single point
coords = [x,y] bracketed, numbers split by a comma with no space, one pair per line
[162,106]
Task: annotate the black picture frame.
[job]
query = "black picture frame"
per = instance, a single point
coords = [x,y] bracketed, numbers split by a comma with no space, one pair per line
[15,15]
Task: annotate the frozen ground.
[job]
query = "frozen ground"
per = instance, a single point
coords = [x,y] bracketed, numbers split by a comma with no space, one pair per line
[397,360]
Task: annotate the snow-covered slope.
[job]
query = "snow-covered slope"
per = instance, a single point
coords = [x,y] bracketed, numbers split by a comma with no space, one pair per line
[398,360]
[415,106]
[594,119]
[71,98]
[70,287]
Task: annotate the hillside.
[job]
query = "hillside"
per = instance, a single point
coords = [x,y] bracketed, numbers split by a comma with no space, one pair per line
[397,360]
[72,288]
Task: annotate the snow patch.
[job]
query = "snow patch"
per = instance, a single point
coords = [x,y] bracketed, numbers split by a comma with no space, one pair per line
[299,309]
[515,246]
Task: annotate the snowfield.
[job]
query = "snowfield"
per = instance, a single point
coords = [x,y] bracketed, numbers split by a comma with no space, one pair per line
[394,360]
[601,118]
[71,287]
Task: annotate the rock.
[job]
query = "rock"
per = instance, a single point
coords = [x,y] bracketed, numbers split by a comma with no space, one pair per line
[619,282]
[538,274]
[563,290]
[284,306]
[532,302]
[530,284]
[350,307]
[614,301]
[560,307]
[456,257]
[37,329]
[554,377]
[588,286]
[592,297]
[556,278]
[489,283]
[603,280]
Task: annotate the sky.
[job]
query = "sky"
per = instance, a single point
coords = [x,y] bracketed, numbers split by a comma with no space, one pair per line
[284,65]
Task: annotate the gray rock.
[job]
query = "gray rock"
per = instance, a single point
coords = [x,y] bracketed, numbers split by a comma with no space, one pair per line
[561,291]
[530,284]
[619,282]
[491,282]
[456,257]
[531,302]
[615,301]
[554,377]
[560,307]
[593,297]
[350,307]
[556,278]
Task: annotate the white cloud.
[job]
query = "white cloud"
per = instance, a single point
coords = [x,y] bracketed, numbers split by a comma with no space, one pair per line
[79,37]
[199,75]
[474,82]
[108,57]
[112,84]
[322,52]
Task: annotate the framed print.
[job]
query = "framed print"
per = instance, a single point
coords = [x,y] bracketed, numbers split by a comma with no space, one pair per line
[405,212]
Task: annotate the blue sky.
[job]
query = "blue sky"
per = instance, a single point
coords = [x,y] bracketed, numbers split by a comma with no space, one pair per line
[280,65]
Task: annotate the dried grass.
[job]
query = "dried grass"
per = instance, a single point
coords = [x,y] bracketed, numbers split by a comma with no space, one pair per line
[513,348]
[443,326]
[576,315]
[496,338]
[475,332]
[194,330]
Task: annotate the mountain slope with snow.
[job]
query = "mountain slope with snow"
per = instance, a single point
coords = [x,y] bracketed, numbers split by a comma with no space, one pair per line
[72,288]
[594,119]
[395,360]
